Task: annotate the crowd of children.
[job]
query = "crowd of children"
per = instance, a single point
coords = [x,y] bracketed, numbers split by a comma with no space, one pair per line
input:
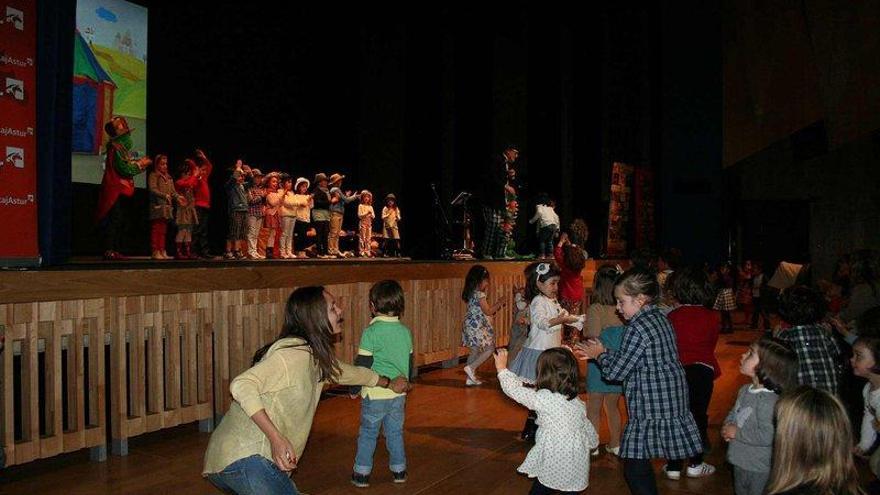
[788,431]
[274,216]
[660,353]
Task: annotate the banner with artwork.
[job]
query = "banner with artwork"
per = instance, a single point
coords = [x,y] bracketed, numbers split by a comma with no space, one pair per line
[109,78]
[619,210]
[18,115]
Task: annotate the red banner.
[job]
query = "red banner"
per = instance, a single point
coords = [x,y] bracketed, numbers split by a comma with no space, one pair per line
[18,115]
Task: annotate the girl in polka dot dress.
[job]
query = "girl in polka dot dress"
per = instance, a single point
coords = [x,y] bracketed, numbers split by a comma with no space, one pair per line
[560,460]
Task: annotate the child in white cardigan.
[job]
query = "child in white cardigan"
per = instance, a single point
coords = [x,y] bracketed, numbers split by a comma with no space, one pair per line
[560,459]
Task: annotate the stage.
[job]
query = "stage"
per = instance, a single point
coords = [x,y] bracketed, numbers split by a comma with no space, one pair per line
[174,333]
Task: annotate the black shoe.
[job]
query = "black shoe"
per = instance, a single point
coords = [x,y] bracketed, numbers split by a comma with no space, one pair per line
[399,477]
[362,480]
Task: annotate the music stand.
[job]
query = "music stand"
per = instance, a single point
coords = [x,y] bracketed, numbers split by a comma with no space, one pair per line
[461,199]
[467,250]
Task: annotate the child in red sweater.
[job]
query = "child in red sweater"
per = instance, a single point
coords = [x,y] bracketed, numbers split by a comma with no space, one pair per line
[696,332]
[571,258]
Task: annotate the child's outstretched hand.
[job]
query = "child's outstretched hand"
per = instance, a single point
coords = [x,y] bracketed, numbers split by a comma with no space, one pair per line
[590,348]
[728,432]
[500,359]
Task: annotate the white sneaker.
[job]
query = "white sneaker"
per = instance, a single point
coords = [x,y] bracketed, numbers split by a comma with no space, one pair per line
[615,451]
[700,470]
[673,475]
[472,383]
[470,373]
[594,452]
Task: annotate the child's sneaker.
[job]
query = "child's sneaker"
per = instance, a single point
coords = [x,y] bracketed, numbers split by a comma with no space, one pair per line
[399,477]
[470,373]
[673,475]
[615,451]
[472,383]
[360,480]
[700,470]
[594,452]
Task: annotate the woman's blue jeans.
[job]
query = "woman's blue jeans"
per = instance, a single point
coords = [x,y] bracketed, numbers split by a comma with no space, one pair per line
[254,475]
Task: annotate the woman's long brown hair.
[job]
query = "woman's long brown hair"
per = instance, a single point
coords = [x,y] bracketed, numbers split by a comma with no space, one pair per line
[813,445]
[305,317]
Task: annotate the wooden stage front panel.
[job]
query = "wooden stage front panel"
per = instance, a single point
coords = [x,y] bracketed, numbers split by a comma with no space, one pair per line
[175,338]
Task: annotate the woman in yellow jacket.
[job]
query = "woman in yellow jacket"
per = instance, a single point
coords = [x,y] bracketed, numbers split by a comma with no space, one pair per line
[262,436]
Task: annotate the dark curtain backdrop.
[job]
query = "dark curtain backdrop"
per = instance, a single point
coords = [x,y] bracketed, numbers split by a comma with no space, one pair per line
[55,27]
[398,99]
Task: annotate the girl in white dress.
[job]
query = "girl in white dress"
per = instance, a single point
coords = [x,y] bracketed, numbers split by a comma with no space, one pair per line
[546,319]
[560,459]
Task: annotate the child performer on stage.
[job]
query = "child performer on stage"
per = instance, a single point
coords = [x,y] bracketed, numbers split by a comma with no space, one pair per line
[386,347]
[237,206]
[660,423]
[560,459]
[202,193]
[288,217]
[546,318]
[390,230]
[271,217]
[162,196]
[366,214]
[256,203]
[338,200]
[321,213]
[302,206]
[187,216]
[477,334]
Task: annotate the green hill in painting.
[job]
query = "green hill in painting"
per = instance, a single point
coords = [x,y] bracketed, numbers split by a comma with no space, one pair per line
[130,76]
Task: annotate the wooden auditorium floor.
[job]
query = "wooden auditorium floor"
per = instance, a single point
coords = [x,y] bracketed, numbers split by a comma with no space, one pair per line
[458,440]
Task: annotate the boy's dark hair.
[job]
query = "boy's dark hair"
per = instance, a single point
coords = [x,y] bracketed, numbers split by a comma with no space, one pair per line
[868,325]
[690,285]
[472,280]
[802,305]
[558,372]
[777,368]
[603,285]
[532,289]
[387,298]
[639,281]
[873,345]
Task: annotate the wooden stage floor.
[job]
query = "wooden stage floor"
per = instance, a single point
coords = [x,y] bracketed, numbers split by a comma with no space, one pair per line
[459,440]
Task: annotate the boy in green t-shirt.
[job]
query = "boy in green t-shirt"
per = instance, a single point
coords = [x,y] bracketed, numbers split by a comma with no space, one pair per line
[386,348]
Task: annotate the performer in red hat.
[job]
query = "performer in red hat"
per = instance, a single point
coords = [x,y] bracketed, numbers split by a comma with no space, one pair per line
[118,183]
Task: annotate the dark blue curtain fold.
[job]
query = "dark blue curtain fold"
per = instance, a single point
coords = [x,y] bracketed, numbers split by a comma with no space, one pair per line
[55,29]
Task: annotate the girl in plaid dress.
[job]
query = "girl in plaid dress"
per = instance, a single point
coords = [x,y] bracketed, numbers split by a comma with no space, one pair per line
[660,422]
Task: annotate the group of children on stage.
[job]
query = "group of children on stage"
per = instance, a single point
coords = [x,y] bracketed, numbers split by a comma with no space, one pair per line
[788,431]
[269,216]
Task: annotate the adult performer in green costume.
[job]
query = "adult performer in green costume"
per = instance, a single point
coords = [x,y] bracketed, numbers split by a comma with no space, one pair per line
[120,168]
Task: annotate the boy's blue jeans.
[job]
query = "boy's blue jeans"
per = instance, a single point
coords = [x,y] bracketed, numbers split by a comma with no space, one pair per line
[254,475]
[387,414]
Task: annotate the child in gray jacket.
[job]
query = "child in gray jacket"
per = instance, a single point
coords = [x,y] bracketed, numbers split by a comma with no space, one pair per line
[772,365]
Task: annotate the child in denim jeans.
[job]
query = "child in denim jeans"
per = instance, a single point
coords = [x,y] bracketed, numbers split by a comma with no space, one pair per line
[385,347]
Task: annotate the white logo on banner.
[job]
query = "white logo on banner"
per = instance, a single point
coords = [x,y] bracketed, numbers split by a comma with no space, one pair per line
[14,157]
[14,17]
[15,87]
